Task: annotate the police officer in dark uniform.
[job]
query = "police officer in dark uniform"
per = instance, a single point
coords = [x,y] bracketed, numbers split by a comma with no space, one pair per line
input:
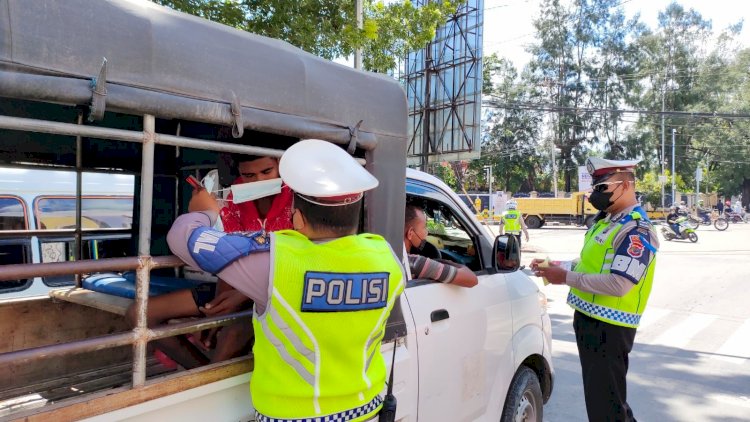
[609,287]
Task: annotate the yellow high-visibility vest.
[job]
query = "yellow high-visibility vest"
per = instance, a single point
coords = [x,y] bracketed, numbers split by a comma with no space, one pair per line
[317,345]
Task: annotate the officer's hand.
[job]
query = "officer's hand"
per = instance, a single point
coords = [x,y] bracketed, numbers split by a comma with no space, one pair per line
[526,235]
[553,274]
[535,263]
[225,303]
[203,201]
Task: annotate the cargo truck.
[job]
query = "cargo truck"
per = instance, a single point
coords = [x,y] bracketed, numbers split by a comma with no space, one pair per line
[573,210]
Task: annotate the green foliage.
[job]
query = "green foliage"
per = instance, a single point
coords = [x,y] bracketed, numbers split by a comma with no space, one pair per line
[328,28]
[446,174]
[434,227]
[511,136]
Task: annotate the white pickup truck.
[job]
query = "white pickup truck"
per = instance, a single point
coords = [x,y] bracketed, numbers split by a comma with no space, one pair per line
[153,112]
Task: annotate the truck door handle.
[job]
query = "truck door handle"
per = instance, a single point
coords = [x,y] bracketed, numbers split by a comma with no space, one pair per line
[439,315]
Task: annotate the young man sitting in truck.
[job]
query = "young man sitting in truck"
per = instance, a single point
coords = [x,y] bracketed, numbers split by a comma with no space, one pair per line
[415,239]
[267,213]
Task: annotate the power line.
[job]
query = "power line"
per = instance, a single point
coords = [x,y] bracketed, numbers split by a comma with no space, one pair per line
[554,108]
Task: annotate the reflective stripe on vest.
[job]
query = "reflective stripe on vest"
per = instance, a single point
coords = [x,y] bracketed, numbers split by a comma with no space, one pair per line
[348,415]
[317,347]
[597,258]
[512,221]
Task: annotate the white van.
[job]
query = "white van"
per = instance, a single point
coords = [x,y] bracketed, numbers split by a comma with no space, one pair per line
[38,220]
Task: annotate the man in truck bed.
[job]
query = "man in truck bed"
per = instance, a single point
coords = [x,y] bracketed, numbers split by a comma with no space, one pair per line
[320,290]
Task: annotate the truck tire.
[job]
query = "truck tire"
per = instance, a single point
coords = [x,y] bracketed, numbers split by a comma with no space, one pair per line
[589,221]
[533,222]
[524,401]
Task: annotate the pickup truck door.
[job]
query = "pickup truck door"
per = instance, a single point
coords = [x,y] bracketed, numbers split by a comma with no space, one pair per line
[464,335]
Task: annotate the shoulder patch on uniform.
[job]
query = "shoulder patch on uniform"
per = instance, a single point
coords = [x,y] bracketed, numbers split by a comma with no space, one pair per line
[213,250]
[635,249]
[344,292]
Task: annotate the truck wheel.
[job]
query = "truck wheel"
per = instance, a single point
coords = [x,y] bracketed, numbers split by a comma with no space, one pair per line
[589,221]
[533,222]
[524,401]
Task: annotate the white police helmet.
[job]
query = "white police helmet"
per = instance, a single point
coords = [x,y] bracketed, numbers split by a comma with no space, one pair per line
[511,205]
[324,174]
[601,169]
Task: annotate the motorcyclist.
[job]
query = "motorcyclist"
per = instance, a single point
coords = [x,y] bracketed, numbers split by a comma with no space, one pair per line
[703,213]
[681,208]
[672,221]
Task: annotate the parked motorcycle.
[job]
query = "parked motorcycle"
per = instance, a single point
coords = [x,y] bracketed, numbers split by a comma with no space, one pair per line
[686,232]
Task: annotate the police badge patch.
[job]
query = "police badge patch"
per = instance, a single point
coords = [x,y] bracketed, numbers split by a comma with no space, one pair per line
[636,246]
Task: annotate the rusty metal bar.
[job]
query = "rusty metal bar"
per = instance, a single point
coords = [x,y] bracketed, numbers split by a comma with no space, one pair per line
[4,234]
[193,326]
[21,271]
[58,128]
[141,329]
[31,125]
[120,339]
[78,346]
[144,251]
[78,253]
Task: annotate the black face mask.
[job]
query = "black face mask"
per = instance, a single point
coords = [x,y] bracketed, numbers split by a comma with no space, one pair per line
[601,200]
[422,243]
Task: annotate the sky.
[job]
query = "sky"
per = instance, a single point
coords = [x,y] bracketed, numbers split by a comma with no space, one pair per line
[508,26]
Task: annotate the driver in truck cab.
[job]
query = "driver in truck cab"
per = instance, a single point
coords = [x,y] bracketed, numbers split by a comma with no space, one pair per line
[322,293]
[421,267]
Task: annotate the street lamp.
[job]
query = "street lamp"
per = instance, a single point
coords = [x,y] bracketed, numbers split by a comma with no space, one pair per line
[489,189]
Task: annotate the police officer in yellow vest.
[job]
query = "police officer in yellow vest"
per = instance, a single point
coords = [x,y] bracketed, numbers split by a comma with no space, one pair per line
[513,221]
[322,294]
[609,287]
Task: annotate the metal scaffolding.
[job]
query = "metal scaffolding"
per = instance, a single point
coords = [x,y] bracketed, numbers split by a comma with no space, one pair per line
[443,85]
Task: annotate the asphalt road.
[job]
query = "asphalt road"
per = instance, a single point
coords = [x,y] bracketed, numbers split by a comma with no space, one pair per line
[691,359]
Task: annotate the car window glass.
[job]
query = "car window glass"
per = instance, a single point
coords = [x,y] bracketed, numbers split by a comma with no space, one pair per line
[12,214]
[97,212]
[14,252]
[448,234]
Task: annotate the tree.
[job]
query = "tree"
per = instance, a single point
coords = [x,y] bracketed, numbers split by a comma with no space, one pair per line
[510,136]
[328,28]
[581,61]
[685,71]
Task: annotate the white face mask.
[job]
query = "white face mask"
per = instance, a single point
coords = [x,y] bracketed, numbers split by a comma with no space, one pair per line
[211,181]
[245,192]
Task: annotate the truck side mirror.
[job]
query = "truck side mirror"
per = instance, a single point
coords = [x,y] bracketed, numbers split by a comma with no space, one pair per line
[506,253]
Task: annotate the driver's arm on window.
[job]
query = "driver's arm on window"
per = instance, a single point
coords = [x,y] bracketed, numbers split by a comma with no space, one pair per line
[442,271]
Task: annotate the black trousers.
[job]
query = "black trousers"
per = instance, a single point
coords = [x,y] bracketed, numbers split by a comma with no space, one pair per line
[603,349]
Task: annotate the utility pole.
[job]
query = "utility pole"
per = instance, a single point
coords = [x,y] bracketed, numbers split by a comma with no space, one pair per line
[673,175]
[427,113]
[358,51]
[554,170]
[663,159]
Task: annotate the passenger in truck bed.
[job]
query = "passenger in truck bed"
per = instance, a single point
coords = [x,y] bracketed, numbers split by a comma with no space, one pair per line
[266,213]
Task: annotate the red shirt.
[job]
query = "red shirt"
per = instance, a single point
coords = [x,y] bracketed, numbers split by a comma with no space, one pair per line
[245,217]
